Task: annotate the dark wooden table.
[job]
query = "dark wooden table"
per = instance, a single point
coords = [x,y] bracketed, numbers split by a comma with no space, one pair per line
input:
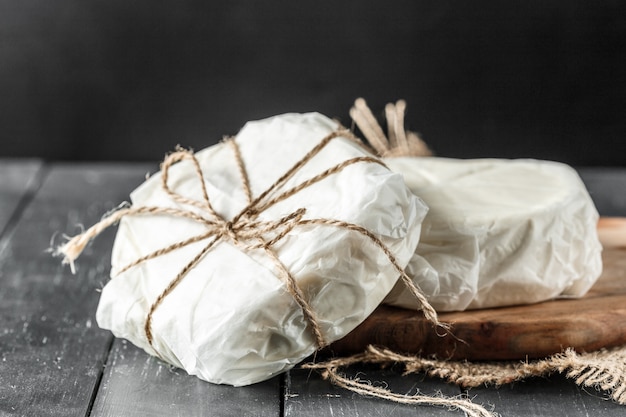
[55,361]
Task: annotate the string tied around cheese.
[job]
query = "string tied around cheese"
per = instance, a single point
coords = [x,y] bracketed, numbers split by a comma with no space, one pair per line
[398,142]
[244,230]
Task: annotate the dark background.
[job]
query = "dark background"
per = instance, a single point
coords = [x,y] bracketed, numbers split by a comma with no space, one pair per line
[123,79]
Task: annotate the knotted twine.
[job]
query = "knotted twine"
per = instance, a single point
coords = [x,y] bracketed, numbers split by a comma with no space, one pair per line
[244,230]
[399,141]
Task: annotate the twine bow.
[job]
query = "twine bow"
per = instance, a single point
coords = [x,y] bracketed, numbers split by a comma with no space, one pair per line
[244,230]
[399,142]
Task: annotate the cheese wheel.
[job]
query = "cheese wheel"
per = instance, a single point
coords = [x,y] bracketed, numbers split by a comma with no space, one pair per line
[499,232]
[232,319]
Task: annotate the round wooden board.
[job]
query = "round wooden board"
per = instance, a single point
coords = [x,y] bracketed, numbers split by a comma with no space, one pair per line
[532,331]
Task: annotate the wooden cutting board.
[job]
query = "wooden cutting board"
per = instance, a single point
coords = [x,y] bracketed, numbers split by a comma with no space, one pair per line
[531,331]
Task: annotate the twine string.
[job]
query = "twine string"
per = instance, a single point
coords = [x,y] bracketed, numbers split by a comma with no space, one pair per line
[453,403]
[170,287]
[180,155]
[318,178]
[330,370]
[400,142]
[243,173]
[428,310]
[603,369]
[365,120]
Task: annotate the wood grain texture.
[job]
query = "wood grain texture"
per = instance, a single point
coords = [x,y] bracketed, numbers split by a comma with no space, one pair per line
[531,331]
[551,396]
[18,178]
[51,351]
[137,384]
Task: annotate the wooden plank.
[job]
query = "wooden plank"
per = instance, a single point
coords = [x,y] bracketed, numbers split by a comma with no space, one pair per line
[18,178]
[307,394]
[51,351]
[552,396]
[136,384]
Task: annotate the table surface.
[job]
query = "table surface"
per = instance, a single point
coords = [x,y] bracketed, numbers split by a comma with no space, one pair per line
[55,361]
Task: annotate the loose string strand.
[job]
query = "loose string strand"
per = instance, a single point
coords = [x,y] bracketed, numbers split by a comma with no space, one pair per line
[392,124]
[173,284]
[400,143]
[395,120]
[365,120]
[355,385]
[603,369]
[330,371]
[73,248]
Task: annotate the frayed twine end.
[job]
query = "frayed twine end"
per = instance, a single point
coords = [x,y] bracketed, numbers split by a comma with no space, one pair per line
[74,247]
[398,142]
[71,250]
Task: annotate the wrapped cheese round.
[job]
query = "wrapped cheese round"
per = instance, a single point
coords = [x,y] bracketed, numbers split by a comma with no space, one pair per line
[499,232]
[231,319]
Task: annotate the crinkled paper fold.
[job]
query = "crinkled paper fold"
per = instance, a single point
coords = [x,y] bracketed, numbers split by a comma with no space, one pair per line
[499,232]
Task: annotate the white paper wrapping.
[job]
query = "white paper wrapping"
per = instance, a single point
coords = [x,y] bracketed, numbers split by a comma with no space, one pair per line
[231,320]
[499,232]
